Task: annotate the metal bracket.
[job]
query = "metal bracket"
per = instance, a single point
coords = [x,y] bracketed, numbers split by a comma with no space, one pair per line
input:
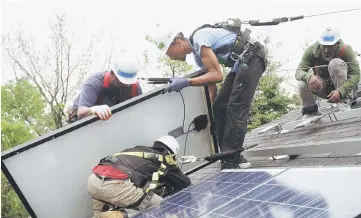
[277,127]
[188,159]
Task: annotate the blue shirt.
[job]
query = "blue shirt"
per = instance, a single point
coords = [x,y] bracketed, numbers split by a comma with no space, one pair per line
[213,38]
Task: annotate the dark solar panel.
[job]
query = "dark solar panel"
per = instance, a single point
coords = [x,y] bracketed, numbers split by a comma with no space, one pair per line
[292,193]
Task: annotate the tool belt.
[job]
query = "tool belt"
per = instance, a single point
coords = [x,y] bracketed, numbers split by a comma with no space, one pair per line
[246,54]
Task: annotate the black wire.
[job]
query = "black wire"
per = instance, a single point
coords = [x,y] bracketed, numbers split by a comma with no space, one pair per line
[185,143]
[184,112]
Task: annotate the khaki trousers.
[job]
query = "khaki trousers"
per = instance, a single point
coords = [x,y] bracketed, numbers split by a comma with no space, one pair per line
[121,193]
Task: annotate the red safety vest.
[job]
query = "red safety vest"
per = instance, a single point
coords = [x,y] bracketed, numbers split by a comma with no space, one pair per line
[133,88]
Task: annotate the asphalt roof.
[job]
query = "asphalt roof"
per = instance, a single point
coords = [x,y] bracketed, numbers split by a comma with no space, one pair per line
[336,130]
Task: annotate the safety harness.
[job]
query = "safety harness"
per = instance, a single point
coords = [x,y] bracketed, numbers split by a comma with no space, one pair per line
[150,187]
[133,88]
[72,114]
[241,50]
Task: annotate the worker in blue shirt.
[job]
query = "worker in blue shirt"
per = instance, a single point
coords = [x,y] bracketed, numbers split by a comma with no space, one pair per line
[212,45]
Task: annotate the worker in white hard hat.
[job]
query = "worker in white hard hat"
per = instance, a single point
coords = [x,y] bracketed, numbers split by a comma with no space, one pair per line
[328,69]
[120,182]
[107,88]
[212,46]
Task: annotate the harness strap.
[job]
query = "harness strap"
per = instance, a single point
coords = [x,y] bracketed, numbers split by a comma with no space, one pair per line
[105,85]
[235,49]
[340,54]
[150,187]
[169,159]
[106,79]
[342,50]
[149,190]
[134,90]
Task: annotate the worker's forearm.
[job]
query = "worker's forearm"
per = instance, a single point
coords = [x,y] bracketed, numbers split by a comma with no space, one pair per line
[208,78]
[83,112]
[303,75]
[212,88]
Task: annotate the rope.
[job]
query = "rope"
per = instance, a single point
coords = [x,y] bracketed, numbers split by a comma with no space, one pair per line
[305,68]
[276,21]
[334,12]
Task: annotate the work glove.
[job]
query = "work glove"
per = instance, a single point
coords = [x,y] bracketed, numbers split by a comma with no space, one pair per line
[177,84]
[101,111]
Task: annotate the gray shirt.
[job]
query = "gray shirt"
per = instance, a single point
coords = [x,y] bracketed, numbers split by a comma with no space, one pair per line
[94,86]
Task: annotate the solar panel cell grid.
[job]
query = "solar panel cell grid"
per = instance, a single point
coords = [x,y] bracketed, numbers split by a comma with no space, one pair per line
[260,194]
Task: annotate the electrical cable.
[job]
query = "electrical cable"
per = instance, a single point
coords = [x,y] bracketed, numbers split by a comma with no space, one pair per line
[185,143]
[188,130]
[184,111]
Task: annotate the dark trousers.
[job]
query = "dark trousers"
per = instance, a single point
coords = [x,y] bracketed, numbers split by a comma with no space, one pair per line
[232,104]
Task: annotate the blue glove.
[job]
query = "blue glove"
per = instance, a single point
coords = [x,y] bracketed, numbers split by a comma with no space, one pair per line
[177,84]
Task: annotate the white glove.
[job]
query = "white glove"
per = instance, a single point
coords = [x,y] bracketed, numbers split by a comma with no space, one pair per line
[102,111]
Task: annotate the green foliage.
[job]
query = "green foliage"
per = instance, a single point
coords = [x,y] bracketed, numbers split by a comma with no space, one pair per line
[23,117]
[270,101]
[174,68]
[11,206]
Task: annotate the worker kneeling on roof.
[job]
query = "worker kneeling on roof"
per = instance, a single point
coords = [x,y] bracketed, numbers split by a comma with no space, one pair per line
[105,89]
[328,69]
[123,180]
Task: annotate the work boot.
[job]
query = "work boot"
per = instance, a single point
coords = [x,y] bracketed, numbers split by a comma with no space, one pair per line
[310,111]
[310,115]
[233,162]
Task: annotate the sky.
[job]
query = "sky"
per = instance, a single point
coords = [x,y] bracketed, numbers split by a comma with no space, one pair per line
[126,22]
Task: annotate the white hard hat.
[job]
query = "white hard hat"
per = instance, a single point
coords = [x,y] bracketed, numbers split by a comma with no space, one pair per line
[170,142]
[125,66]
[329,37]
[163,37]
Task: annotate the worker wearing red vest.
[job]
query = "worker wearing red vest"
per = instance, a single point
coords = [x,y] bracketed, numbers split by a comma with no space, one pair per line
[328,69]
[105,89]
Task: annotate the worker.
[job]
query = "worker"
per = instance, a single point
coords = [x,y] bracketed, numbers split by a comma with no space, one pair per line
[107,88]
[121,181]
[211,46]
[328,69]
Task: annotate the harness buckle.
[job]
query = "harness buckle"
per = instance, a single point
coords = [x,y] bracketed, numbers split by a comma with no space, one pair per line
[236,57]
[187,159]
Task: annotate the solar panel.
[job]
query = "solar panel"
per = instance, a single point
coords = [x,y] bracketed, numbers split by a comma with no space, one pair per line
[216,190]
[295,192]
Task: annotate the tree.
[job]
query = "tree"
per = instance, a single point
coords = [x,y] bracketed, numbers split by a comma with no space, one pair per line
[174,68]
[169,68]
[56,72]
[270,100]
[23,117]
